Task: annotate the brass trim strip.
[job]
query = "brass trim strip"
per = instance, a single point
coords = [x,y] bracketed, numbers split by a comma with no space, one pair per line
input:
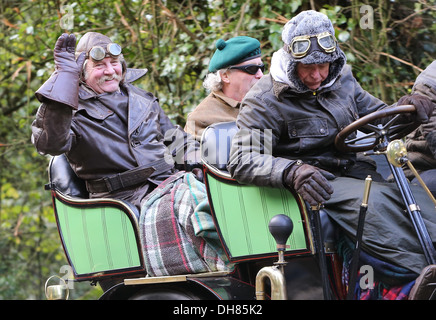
[176,278]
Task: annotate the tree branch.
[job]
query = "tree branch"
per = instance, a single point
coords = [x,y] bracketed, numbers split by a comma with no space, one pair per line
[181,25]
[400,60]
[125,23]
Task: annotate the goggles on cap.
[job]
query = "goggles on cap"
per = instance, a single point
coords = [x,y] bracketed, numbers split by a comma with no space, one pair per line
[98,53]
[249,68]
[300,45]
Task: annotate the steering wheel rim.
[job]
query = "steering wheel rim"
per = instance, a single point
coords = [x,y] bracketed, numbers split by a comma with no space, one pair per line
[398,131]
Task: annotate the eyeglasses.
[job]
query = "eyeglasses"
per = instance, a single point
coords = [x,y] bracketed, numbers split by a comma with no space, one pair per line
[249,68]
[98,53]
[300,45]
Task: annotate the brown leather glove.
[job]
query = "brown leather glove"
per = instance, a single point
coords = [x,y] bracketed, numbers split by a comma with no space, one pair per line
[310,182]
[424,106]
[64,55]
[63,85]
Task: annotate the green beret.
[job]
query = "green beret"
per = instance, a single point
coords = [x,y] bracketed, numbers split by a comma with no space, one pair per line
[234,51]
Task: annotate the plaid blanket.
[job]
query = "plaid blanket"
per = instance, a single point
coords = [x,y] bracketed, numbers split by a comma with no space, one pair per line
[177,232]
[391,282]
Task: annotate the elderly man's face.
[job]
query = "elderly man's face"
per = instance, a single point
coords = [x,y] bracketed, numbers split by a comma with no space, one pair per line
[105,75]
[236,83]
[312,75]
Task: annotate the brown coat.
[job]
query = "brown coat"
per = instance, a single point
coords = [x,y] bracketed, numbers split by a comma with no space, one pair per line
[216,107]
[112,133]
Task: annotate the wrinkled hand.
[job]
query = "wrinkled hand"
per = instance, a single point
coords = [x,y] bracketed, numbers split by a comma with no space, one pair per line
[64,54]
[424,106]
[310,182]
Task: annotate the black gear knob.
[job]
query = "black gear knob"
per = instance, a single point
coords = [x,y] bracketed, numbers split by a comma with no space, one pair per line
[280,227]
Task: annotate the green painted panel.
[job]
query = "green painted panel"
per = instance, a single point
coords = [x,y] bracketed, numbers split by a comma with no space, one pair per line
[97,239]
[243,213]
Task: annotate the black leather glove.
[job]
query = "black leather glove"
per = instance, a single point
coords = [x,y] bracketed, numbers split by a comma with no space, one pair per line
[424,106]
[310,182]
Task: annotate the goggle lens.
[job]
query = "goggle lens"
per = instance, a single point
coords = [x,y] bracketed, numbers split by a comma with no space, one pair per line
[327,42]
[97,53]
[114,49]
[300,47]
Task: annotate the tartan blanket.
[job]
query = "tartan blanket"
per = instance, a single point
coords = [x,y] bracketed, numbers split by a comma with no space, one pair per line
[177,232]
[391,282]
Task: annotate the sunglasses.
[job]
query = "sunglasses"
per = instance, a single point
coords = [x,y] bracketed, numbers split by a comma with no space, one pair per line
[249,68]
[98,53]
[300,45]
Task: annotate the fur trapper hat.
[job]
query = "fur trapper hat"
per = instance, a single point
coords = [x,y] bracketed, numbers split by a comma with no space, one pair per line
[307,23]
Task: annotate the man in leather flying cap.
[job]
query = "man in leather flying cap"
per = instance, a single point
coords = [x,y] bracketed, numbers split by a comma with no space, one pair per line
[116,136]
[118,140]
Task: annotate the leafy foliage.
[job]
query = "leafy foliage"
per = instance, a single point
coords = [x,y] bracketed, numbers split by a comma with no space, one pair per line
[174,40]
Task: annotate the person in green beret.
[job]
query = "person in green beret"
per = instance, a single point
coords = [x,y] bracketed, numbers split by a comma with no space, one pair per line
[234,68]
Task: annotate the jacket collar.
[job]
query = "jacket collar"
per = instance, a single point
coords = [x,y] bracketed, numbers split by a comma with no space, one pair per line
[134,74]
[231,102]
[280,88]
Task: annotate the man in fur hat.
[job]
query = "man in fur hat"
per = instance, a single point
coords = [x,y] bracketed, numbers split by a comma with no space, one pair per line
[290,118]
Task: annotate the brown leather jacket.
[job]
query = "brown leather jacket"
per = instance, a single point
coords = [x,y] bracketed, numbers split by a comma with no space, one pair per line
[112,133]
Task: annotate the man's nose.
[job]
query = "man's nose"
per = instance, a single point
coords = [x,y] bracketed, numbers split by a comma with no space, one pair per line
[109,69]
[315,74]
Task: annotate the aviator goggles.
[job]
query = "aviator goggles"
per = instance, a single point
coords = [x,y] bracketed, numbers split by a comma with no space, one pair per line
[300,45]
[249,68]
[98,53]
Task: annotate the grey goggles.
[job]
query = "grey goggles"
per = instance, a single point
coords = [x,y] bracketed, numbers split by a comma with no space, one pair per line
[301,45]
[98,53]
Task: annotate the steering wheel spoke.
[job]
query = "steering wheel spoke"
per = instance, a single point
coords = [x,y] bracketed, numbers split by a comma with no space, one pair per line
[363,138]
[370,127]
[372,134]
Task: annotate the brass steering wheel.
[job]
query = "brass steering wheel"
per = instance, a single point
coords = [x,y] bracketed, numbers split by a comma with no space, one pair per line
[374,134]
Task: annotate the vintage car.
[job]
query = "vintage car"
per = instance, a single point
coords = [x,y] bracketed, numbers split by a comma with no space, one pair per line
[283,248]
